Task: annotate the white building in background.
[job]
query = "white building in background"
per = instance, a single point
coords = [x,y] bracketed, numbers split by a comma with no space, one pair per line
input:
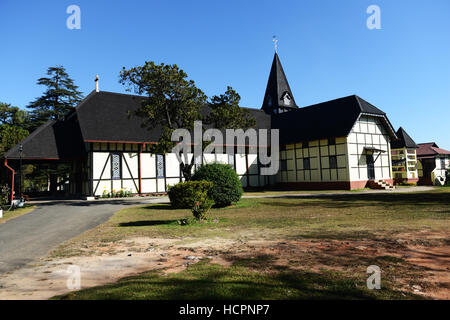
[433,164]
[339,144]
[404,158]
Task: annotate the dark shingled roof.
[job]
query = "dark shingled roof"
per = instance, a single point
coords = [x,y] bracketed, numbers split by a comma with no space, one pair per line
[52,141]
[100,117]
[277,87]
[104,117]
[404,140]
[333,118]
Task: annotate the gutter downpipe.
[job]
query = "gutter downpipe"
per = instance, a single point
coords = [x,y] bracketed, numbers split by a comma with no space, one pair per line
[12,182]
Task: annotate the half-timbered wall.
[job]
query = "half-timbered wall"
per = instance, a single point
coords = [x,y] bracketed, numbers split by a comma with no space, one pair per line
[115,166]
[314,161]
[338,159]
[368,131]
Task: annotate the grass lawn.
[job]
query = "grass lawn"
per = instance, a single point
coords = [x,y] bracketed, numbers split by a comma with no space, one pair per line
[376,220]
[16,213]
[211,281]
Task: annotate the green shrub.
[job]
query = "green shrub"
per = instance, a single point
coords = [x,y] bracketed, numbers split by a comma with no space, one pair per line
[185,195]
[227,188]
[202,207]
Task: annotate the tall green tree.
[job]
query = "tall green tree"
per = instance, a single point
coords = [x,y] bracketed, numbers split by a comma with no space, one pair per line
[10,115]
[10,136]
[59,98]
[13,126]
[173,101]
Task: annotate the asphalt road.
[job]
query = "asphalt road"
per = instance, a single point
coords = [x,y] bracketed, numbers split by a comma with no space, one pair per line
[32,235]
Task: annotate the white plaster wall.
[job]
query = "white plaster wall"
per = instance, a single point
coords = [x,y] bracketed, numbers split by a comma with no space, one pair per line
[149,182]
[172,165]
[148,163]
[368,131]
[99,160]
[148,186]
[132,169]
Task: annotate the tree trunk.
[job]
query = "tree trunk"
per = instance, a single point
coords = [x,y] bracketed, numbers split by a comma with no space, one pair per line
[186,169]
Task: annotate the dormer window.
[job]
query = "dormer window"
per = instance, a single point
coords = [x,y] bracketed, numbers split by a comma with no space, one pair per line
[286,99]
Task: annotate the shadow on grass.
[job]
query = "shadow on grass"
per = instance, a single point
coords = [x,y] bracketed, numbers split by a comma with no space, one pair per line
[145,223]
[333,235]
[161,206]
[372,199]
[211,282]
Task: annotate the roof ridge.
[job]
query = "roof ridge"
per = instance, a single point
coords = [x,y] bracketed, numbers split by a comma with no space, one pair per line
[30,136]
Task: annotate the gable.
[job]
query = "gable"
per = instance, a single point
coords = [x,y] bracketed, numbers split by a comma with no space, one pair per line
[334,118]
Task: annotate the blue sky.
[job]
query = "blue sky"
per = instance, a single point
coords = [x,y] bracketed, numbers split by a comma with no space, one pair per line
[325,48]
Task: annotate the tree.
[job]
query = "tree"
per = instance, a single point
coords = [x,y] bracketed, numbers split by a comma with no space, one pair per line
[13,126]
[226,112]
[10,136]
[14,116]
[60,97]
[172,102]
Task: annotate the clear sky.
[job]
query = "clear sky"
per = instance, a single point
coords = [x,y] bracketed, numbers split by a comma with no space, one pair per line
[325,47]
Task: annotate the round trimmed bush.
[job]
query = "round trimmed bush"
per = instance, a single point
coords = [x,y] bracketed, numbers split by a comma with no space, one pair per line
[227,187]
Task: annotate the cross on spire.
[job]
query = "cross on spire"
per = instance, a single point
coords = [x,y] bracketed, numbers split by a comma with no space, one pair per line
[275,43]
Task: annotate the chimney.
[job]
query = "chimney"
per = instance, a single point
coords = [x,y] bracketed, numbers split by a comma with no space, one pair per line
[96,84]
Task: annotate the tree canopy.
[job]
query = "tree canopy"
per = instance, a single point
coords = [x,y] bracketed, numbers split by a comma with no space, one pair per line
[13,126]
[59,98]
[173,101]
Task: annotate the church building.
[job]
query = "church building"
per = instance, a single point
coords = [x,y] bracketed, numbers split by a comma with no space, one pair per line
[340,144]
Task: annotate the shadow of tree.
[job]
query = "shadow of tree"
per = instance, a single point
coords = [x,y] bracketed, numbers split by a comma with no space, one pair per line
[144,223]
[359,200]
[207,281]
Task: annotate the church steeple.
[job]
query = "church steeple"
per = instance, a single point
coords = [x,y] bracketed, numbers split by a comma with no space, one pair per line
[278,97]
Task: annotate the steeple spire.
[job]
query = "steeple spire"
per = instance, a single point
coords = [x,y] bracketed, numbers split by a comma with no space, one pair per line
[275,43]
[278,97]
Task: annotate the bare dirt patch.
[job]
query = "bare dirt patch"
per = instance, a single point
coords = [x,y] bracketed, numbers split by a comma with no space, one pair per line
[418,263]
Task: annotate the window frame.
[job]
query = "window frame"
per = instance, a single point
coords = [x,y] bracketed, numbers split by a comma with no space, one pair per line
[306,161]
[333,165]
[158,176]
[119,164]
[283,165]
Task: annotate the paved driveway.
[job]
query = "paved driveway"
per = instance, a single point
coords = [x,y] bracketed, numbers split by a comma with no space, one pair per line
[32,235]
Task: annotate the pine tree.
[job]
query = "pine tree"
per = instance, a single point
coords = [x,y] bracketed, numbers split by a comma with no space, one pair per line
[59,98]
